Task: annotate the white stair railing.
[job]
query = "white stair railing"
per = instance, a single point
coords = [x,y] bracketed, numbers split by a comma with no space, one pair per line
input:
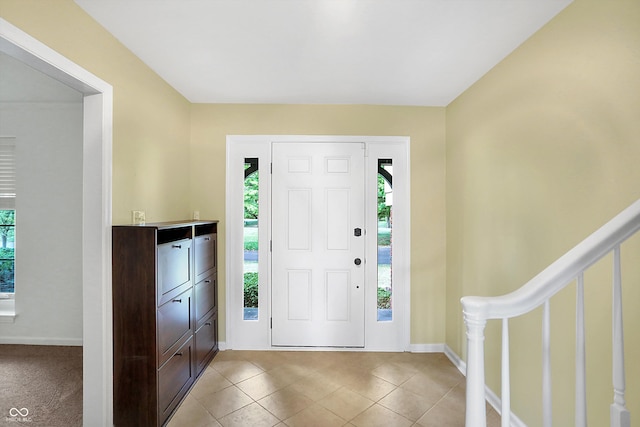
[535,293]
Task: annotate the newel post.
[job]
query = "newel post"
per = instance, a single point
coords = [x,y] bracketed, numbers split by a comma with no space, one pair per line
[476,407]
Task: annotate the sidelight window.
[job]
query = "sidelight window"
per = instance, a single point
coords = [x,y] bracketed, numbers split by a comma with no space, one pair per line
[385,234]
[251,211]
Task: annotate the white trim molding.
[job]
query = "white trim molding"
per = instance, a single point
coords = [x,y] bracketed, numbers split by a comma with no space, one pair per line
[427,348]
[256,334]
[71,342]
[456,360]
[96,212]
[496,403]
[7,310]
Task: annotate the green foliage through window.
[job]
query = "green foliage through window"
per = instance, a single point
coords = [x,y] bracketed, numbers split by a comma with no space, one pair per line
[250,289]
[384,211]
[251,196]
[384,298]
[251,212]
[7,255]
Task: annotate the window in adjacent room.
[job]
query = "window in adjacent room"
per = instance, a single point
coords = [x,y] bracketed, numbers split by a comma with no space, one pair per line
[7,217]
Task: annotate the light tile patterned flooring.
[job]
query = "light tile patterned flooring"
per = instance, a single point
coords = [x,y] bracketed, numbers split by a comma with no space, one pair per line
[325,389]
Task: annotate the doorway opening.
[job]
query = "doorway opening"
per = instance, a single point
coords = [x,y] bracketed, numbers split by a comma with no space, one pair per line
[386,313]
[97,100]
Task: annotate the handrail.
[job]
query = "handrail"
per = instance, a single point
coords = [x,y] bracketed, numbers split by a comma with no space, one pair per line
[559,274]
[535,293]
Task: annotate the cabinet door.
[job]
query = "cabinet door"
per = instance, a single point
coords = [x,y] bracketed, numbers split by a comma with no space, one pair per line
[206,295]
[205,255]
[206,342]
[174,379]
[174,323]
[174,271]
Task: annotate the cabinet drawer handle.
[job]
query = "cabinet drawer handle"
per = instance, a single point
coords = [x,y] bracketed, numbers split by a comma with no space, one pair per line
[207,281]
[177,300]
[178,354]
[176,246]
[207,324]
[207,238]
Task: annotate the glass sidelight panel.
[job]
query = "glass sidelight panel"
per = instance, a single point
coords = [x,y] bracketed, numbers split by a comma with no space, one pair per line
[250,269]
[385,239]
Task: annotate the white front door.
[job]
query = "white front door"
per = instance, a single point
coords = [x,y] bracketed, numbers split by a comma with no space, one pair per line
[318,244]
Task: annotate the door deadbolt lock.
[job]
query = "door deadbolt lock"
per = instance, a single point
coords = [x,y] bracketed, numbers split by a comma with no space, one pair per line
[357,261]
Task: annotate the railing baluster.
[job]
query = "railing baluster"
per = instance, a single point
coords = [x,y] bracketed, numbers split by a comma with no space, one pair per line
[475,414]
[546,366]
[506,380]
[536,292]
[620,416]
[581,367]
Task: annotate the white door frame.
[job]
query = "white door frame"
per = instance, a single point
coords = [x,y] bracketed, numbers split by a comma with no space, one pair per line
[256,334]
[97,360]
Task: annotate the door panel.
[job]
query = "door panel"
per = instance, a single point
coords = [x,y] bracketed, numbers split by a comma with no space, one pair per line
[338,283]
[299,294]
[299,216]
[337,219]
[317,202]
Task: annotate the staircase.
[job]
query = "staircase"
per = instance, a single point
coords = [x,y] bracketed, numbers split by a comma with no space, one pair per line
[535,293]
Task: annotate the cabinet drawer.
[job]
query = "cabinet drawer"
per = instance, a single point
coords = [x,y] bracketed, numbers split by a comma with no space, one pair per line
[206,342]
[174,379]
[174,270]
[206,297]
[205,254]
[174,322]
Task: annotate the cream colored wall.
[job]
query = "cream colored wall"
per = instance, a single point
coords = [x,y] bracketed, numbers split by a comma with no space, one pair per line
[540,152]
[212,123]
[150,119]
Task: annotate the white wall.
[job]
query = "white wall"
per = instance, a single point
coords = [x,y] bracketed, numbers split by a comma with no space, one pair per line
[48,221]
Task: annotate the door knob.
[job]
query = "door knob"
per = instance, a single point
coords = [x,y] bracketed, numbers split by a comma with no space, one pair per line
[357,261]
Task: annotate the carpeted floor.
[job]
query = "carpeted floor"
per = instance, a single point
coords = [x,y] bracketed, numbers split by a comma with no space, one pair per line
[40,385]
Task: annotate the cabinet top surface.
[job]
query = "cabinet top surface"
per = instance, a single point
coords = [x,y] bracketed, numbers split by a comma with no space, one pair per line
[169,224]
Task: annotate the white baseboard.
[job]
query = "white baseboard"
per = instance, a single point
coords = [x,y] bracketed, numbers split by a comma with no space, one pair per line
[426,348]
[456,360]
[496,402]
[41,341]
[491,397]
[423,348]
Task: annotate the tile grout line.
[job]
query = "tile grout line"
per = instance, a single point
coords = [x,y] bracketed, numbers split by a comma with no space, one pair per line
[441,399]
[316,369]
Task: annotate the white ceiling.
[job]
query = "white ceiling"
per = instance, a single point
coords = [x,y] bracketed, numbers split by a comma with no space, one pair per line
[390,52]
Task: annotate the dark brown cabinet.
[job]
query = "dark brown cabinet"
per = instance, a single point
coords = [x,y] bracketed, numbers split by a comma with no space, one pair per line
[165,316]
